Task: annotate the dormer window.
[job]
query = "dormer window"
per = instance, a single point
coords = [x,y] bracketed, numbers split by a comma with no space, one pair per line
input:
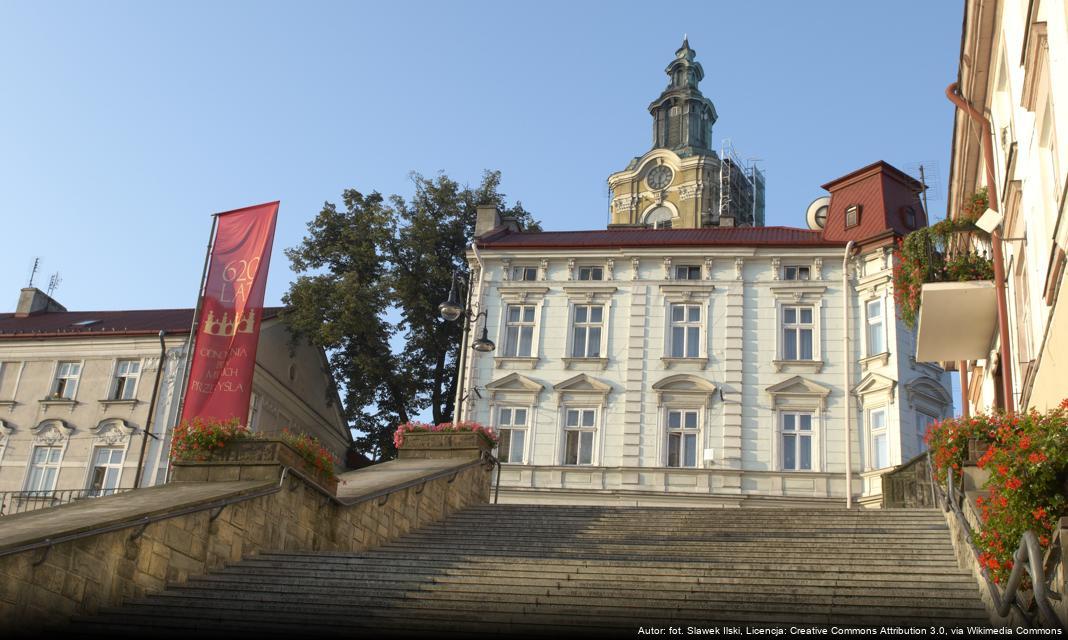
[852,215]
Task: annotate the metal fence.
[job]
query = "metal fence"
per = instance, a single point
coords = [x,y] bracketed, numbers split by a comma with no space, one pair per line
[12,502]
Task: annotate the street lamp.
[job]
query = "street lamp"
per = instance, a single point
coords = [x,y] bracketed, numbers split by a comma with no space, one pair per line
[452,310]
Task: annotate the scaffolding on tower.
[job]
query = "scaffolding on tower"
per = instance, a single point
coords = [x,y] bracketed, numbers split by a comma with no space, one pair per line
[741,189]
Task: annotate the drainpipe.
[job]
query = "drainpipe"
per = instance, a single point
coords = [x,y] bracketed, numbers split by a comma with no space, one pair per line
[962,367]
[848,378]
[985,136]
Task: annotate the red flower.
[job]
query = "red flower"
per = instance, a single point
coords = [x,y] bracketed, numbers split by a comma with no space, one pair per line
[1037,457]
[1039,513]
[1013,483]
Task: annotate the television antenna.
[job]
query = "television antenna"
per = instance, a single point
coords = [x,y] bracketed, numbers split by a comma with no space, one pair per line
[33,270]
[53,283]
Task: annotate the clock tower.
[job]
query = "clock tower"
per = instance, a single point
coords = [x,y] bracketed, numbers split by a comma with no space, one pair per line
[681,182]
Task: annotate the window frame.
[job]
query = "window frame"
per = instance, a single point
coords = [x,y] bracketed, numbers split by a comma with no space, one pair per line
[589,269]
[109,466]
[520,324]
[593,429]
[874,434]
[798,326]
[523,270]
[700,324]
[815,441]
[870,322]
[32,464]
[698,432]
[113,389]
[526,428]
[853,210]
[797,268]
[691,269]
[588,324]
[53,393]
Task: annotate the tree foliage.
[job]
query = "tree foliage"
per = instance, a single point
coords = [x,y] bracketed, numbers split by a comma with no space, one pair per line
[370,277]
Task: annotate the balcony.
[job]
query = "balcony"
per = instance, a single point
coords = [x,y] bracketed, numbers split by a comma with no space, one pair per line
[12,502]
[956,321]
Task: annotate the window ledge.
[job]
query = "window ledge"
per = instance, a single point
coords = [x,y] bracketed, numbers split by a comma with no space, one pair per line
[512,362]
[58,401]
[877,360]
[586,363]
[670,362]
[7,403]
[812,366]
[113,401]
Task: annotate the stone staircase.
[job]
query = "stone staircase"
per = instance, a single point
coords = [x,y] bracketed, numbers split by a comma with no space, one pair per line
[519,569]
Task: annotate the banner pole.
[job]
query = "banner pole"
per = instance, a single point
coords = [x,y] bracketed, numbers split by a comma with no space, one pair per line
[191,342]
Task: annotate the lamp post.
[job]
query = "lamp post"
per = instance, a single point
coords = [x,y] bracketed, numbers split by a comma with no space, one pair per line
[452,310]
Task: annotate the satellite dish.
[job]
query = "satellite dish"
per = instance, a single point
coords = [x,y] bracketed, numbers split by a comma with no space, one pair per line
[816,215]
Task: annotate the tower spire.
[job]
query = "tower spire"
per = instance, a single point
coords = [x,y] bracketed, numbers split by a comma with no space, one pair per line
[682,116]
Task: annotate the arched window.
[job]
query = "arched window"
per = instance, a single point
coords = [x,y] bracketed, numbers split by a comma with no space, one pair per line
[659,218]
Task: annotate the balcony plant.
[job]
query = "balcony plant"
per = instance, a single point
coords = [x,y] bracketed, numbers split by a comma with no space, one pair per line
[445,427]
[315,455]
[195,439]
[936,254]
[1027,457]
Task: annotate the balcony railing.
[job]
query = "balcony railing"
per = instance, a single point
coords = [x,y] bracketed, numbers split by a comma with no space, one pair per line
[12,502]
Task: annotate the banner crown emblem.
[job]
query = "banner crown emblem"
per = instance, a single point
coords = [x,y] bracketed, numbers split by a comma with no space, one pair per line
[225,327]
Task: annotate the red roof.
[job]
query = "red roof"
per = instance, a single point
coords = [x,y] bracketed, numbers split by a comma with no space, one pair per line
[102,323]
[643,237]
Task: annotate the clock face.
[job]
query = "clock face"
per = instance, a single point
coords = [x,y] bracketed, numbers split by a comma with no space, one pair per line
[821,216]
[659,177]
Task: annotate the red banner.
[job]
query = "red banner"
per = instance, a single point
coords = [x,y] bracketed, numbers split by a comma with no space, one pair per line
[228,329]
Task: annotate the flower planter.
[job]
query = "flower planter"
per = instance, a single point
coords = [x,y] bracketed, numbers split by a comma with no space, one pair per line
[443,445]
[956,321]
[245,459]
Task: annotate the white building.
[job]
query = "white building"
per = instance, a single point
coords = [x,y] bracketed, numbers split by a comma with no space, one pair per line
[76,394]
[704,363]
[1014,71]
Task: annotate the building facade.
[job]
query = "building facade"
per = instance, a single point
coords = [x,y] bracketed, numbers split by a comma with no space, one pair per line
[710,361]
[1014,71]
[77,391]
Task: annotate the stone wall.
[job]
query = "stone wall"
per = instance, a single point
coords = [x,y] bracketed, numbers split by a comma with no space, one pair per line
[83,575]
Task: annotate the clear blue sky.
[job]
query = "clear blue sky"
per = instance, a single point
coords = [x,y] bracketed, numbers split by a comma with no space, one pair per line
[124,125]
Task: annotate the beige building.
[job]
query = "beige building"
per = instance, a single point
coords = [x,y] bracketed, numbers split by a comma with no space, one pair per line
[77,390]
[1014,70]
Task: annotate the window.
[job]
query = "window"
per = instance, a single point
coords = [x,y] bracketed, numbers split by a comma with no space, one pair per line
[685,330]
[528,274]
[44,468]
[512,427]
[106,472]
[797,333]
[923,423]
[880,441]
[579,427]
[682,438]
[659,218]
[125,382]
[795,273]
[519,330]
[591,273]
[588,327]
[876,334]
[687,272]
[796,441]
[852,216]
[66,382]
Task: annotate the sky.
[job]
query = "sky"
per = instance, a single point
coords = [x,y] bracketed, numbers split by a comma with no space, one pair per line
[125,125]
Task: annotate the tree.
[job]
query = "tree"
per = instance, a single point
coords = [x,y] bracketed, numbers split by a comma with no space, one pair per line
[375,272]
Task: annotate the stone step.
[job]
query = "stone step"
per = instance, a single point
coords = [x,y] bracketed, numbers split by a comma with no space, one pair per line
[460,583]
[626,573]
[514,603]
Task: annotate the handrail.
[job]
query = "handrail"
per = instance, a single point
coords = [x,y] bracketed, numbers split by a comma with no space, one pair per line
[142,522]
[1028,556]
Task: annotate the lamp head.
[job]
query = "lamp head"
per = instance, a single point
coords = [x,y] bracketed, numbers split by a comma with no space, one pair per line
[483,344]
[451,309]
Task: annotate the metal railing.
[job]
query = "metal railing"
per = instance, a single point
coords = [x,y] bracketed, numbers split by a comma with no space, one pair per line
[1028,557]
[12,502]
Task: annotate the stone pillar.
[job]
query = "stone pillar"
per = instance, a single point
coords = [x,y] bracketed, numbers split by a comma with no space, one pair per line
[731,456]
[634,404]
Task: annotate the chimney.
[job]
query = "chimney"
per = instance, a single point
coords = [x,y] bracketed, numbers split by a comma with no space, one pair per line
[32,301]
[487,219]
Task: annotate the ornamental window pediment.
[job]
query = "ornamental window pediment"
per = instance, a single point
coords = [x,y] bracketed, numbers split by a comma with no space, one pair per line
[514,387]
[582,388]
[112,432]
[684,389]
[926,392]
[516,293]
[52,433]
[593,292]
[797,291]
[798,392]
[875,389]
